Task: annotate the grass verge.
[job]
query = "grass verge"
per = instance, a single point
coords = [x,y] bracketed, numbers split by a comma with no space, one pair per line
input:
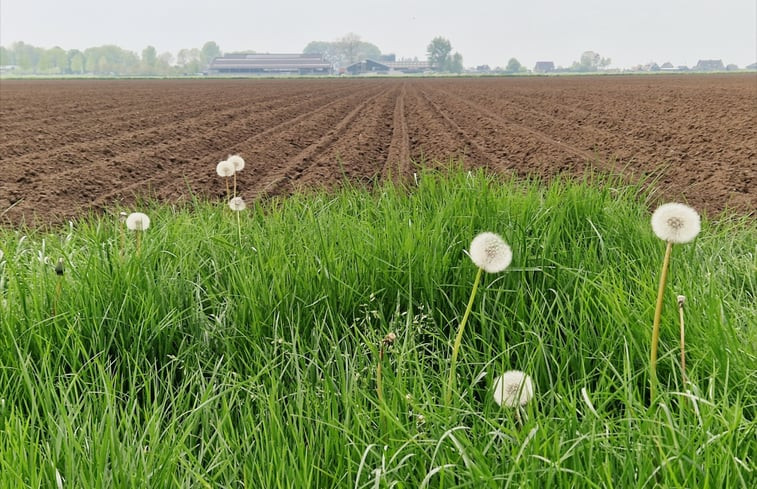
[203,361]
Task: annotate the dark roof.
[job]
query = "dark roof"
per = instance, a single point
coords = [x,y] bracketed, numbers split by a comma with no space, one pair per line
[544,66]
[391,65]
[710,64]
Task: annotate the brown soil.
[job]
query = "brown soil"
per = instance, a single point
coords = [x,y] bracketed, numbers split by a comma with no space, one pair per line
[70,146]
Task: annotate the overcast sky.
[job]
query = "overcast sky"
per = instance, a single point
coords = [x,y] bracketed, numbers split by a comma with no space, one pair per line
[630,32]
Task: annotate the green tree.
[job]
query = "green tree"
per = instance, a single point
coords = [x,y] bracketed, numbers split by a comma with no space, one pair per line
[6,57]
[75,61]
[27,56]
[164,63]
[110,59]
[209,51]
[345,51]
[53,61]
[455,64]
[513,66]
[149,58]
[352,49]
[189,61]
[590,61]
[438,53]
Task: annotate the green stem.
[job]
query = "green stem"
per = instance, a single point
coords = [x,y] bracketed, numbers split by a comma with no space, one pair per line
[459,339]
[239,229]
[683,344]
[656,325]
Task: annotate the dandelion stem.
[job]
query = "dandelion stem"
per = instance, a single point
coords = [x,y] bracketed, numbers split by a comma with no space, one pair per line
[228,192]
[683,340]
[459,339]
[379,387]
[235,184]
[139,241]
[656,325]
[239,230]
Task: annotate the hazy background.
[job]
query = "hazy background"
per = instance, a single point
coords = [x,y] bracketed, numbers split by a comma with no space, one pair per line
[483,31]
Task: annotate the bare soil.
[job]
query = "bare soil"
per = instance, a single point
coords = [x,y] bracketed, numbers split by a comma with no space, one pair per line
[68,147]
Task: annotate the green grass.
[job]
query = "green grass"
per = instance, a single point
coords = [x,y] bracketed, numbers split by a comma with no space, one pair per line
[202,363]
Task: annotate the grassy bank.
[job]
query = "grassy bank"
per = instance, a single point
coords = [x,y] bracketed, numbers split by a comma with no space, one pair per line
[226,356]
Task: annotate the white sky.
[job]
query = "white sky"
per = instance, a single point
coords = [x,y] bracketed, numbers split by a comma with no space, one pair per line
[490,32]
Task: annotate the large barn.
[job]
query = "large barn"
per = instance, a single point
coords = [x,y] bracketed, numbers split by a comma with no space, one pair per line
[270,64]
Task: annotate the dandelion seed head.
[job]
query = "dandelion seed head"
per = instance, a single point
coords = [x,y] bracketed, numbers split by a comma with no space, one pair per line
[137,221]
[513,388]
[489,252]
[676,223]
[225,168]
[389,338]
[237,204]
[237,162]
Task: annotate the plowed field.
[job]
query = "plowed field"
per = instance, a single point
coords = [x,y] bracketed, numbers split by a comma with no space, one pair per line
[70,146]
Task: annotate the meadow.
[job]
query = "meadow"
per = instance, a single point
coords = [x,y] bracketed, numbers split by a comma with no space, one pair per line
[227,349]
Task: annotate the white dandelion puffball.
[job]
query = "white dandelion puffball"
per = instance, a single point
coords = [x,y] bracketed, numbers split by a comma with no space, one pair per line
[237,204]
[676,223]
[225,168]
[489,252]
[513,388]
[137,221]
[237,161]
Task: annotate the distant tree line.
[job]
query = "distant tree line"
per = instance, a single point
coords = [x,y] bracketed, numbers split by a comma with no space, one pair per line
[105,60]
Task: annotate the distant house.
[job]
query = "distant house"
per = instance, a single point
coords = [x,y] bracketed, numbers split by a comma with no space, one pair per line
[667,66]
[709,65]
[544,67]
[368,66]
[752,66]
[270,64]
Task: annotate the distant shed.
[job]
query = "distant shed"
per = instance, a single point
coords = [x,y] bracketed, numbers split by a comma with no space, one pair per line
[544,67]
[270,64]
[709,65]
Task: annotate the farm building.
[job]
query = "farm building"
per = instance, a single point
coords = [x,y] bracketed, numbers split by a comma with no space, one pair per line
[270,64]
[387,67]
[709,65]
[544,67]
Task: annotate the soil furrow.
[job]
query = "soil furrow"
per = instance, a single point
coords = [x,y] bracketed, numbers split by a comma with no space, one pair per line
[68,146]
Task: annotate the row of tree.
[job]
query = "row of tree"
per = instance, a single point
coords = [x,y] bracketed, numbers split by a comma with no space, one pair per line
[106,60]
[113,60]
